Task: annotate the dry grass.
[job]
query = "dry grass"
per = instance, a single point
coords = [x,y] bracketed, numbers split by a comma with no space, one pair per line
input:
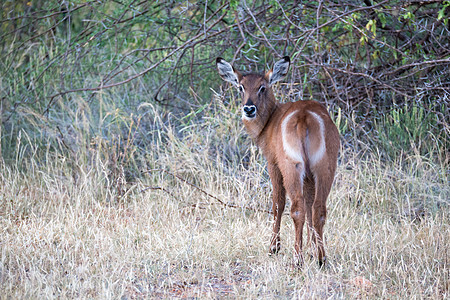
[66,236]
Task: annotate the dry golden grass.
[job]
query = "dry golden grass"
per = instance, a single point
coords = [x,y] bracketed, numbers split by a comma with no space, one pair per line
[75,236]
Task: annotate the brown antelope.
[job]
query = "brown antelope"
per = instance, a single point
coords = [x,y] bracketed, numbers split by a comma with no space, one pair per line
[301,144]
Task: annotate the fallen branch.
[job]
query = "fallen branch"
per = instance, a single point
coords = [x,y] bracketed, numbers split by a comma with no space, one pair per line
[223,203]
[159,188]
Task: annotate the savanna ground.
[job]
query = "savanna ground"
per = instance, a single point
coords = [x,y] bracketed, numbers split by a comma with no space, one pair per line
[120,193]
[73,236]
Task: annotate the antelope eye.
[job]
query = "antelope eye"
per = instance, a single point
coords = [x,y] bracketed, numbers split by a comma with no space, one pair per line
[262,89]
[241,88]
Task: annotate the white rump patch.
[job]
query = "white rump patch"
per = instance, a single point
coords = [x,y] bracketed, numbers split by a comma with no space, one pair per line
[291,152]
[314,158]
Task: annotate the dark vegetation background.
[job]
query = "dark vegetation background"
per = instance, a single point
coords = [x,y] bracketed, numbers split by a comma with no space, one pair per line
[73,74]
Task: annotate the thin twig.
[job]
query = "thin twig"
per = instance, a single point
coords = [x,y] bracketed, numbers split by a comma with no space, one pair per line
[223,203]
[155,188]
[100,87]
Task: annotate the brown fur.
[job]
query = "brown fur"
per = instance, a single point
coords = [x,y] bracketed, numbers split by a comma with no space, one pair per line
[303,167]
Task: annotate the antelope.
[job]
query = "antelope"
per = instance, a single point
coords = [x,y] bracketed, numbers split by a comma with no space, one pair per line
[300,143]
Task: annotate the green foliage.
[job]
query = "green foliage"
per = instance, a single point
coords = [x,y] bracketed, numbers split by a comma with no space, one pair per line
[73,74]
[409,129]
[234,4]
[341,123]
[442,14]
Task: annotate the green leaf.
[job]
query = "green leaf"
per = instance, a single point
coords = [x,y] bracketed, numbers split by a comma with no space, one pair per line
[441,13]
[234,4]
[363,40]
[382,18]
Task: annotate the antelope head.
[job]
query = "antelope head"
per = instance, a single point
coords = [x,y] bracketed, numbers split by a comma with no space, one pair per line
[258,100]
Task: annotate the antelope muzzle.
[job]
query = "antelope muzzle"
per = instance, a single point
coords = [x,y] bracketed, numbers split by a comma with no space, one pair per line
[249,111]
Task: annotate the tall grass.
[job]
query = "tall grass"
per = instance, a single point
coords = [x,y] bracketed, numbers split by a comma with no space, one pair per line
[116,194]
[153,204]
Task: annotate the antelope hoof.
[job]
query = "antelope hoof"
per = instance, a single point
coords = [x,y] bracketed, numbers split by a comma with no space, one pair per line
[322,262]
[275,247]
[298,260]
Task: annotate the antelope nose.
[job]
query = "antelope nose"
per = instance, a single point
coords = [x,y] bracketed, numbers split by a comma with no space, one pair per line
[249,111]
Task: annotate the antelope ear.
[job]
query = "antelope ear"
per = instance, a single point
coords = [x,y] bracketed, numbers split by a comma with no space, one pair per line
[279,70]
[228,72]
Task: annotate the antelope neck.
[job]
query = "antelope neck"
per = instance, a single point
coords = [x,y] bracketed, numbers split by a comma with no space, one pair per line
[264,128]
